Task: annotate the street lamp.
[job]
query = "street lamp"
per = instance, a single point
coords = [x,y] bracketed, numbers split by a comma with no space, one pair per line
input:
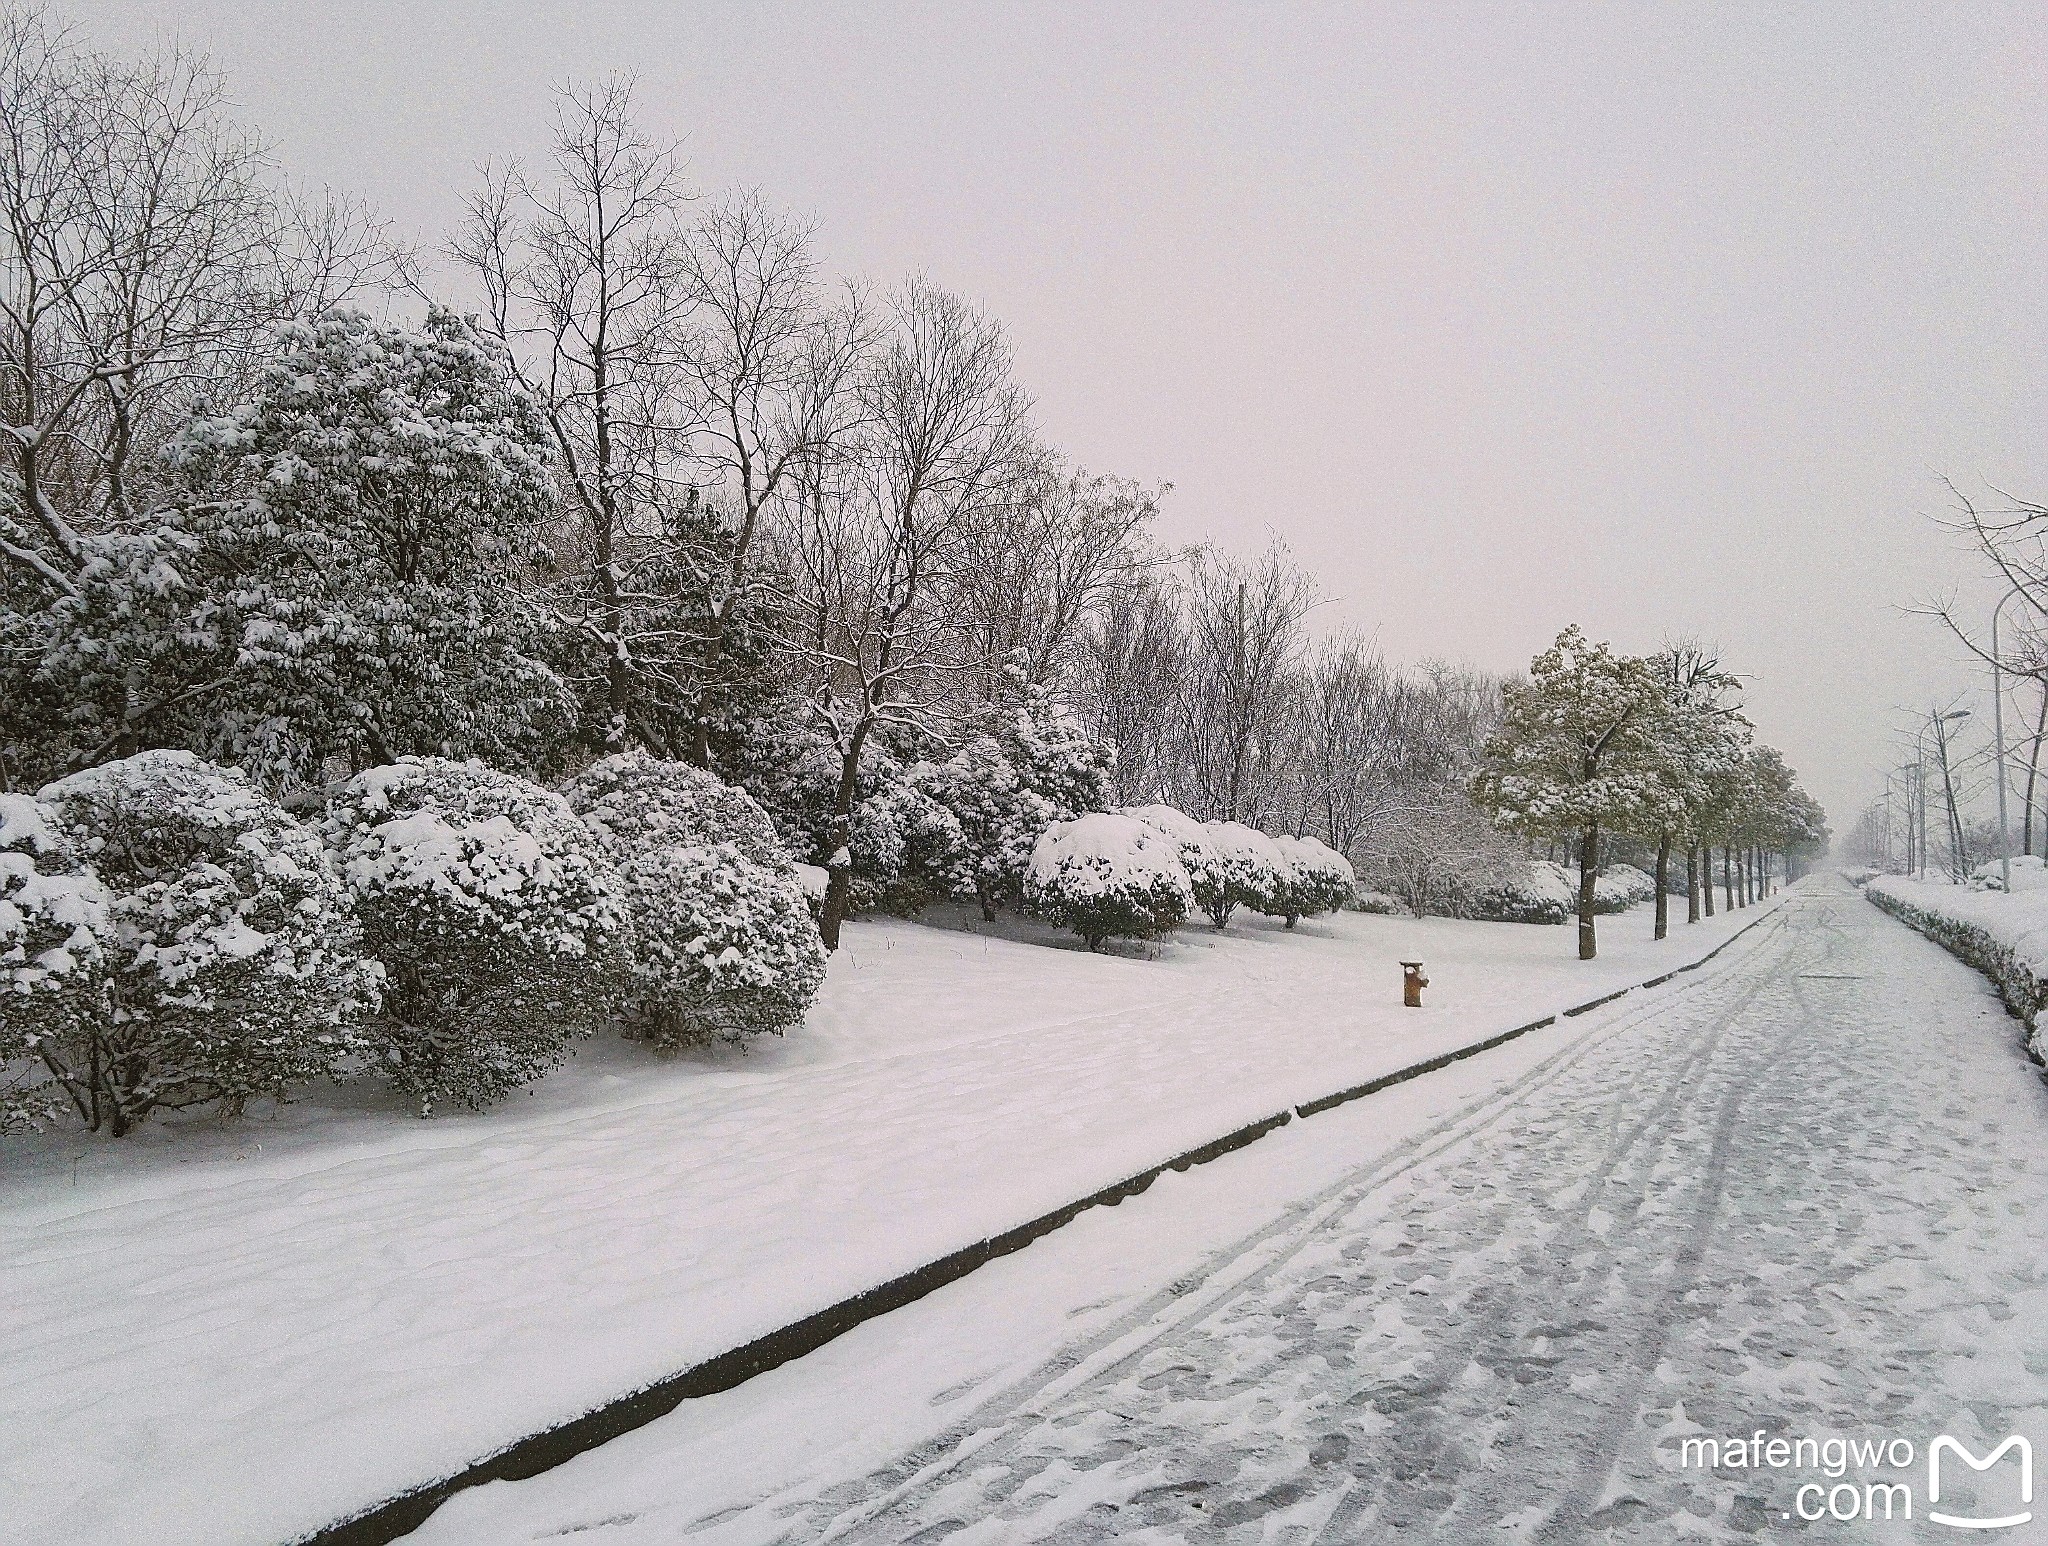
[1998,741]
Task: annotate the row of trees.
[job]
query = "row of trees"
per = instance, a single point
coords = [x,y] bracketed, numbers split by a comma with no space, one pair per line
[654,481]
[1596,742]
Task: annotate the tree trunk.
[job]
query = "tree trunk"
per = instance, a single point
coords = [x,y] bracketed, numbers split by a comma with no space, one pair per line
[2033,774]
[1663,877]
[1707,879]
[1692,883]
[1589,848]
[1728,877]
[839,864]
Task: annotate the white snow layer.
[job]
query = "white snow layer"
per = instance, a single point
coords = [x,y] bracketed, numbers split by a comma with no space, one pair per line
[229,1333]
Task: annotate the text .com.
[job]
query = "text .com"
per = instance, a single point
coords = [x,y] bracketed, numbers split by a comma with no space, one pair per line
[1849,1479]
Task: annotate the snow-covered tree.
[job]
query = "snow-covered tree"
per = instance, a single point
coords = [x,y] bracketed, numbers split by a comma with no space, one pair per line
[232,951]
[1320,880]
[1029,762]
[1255,873]
[1107,876]
[1576,753]
[724,942]
[501,923]
[53,969]
[1698,737]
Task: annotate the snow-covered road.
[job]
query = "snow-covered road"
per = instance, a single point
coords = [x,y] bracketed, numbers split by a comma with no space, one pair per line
[1805,1192]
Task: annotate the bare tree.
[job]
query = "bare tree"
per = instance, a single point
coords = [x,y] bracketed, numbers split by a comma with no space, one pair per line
[144,250]
[1038,569]
[876,536]
[587,280]
[1244,635]
[771,369]
[1132,670]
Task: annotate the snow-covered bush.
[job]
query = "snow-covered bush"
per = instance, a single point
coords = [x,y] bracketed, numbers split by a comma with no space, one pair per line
[633,801]
[233,954]
[1539,892]
[1320,879]
[1107,877]
[723,946]
[1255,873]
[725,942]
[1207,871]
[1363,901]
[1628,881]
[499,918]
[53,975]
[908,850]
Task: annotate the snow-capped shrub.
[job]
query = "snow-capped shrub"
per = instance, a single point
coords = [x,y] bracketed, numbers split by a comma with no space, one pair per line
[53,974]
[1320,878]
[723,946]
[635,802]
[1627,880]
[499,918]
[233,954]
[1539,892]
[908,850]
[1106,877]
[725,942]
[1207,871]
[1255,873]
[1379,902]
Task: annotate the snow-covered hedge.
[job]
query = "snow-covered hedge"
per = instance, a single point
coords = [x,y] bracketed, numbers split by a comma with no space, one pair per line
[1625,880]
[725,941]
[53,974]
[2004,937]
[1320,880]
[1106,876]
[1547,892]
[1381,902]
[233,953]
[1207,871]
[499,918]
[634,801]
[1255,873]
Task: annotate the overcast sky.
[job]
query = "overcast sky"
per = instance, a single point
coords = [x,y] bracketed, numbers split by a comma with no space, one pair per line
[1659,318]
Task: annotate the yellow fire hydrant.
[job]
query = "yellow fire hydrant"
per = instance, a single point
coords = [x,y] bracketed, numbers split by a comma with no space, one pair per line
[1412,984]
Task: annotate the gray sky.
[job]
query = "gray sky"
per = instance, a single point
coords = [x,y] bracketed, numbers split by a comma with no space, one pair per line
[1660,318]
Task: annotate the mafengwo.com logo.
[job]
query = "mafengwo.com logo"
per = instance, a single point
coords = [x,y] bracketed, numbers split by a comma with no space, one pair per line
[1846,1480]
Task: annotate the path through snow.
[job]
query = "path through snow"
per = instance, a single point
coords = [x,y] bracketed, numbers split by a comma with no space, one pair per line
[1805,1195]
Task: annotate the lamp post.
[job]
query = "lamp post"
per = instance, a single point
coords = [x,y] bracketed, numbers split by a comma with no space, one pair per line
[1998,741]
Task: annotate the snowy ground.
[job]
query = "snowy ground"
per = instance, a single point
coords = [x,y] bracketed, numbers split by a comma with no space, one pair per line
[228,1333]
[1802,1191]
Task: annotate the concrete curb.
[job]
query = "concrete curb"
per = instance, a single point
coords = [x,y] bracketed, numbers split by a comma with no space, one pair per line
[397,1516]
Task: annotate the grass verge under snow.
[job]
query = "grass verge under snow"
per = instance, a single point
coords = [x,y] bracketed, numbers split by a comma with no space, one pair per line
[2004,936]
[233,1333]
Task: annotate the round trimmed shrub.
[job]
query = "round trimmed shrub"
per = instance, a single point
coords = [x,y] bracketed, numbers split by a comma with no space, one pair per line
[1255,873]
[501,923]
[53,970]
[1206,869]
[233,956]
[1106,876]
[725,943]
[723,947]
[634,801]
[1320,879]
